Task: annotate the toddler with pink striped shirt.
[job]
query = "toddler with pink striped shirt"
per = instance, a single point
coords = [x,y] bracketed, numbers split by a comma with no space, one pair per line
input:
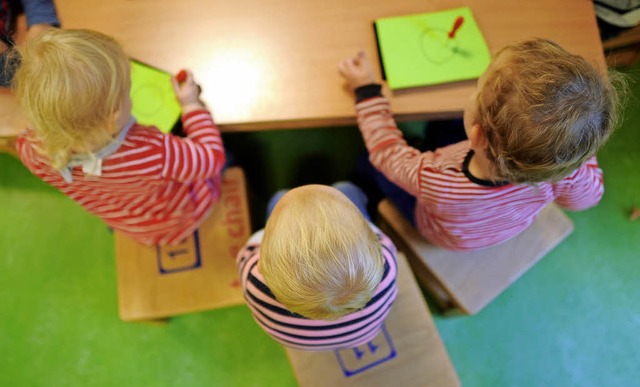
[320,276]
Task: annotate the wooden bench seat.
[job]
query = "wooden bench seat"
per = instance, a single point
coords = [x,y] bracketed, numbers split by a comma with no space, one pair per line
[408,352]
[623,50]
[155,282]
[12,121]
[468,281]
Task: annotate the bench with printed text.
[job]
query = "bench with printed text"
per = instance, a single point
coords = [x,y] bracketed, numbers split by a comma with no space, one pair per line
[408,352]
[155,282]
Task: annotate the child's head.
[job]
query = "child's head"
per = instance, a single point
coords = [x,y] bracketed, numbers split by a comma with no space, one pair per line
[318,255]
[72,84]
[542,111]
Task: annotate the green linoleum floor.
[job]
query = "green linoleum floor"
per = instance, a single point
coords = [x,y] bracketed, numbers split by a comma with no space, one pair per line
[572,320]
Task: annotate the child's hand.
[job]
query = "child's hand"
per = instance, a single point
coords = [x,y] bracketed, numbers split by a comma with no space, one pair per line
[187,91]
[357,71]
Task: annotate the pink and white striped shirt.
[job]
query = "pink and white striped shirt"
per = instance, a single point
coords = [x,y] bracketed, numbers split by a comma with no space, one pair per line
[453,211]
[157,188]
[295,331]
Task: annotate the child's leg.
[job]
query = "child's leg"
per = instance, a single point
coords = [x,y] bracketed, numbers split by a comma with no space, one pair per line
[355,194]
[40,12]
[379,187]
[350,190]
[405,202]
[274,200]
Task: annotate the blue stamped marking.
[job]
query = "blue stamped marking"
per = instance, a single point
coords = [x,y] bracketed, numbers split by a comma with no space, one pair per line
[185,256]
[356,360]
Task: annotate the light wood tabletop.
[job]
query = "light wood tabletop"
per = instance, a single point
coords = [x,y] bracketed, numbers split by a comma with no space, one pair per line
[273,64]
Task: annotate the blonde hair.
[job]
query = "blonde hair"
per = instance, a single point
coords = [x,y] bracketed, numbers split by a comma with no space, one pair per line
[319,256]
[70,84]
[545,111]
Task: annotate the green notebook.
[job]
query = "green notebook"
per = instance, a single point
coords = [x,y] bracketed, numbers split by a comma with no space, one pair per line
[152,97]
[416,50]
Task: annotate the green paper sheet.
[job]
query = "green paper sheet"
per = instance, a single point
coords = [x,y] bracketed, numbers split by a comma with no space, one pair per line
[416,50]
[152,97]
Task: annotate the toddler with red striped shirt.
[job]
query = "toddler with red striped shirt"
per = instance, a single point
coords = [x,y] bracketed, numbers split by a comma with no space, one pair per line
[74,87]
[534,125]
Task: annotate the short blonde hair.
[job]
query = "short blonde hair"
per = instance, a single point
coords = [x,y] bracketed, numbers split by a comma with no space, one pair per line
[545,111]
[319,256]
[70,84]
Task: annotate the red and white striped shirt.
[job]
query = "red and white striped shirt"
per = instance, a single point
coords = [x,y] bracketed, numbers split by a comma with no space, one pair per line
[452,211]
[296,331]
[157,188]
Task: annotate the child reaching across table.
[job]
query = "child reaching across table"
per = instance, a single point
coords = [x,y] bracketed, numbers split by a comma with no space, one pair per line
[534,125]
[74,88]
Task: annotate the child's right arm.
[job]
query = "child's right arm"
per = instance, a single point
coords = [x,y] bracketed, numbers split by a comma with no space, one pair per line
[582,189]
[201,154]
[388,151]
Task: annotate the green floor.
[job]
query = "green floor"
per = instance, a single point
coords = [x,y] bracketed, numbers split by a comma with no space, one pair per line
[573,320]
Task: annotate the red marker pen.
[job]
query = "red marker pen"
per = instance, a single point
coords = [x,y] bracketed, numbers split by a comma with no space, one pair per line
[181,77]
[456,26]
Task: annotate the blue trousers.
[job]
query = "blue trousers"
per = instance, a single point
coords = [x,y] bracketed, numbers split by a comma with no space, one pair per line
[437,134]
[350,190]
[405,202]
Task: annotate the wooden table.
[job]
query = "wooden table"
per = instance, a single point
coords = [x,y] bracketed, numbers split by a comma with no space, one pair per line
[270,64]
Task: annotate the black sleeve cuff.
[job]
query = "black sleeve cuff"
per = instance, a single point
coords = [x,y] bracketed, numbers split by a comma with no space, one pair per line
[368,91]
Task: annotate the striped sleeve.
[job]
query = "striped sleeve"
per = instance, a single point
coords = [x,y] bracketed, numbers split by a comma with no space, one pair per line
[388,151]
[200,155]
[295,331]
[582,189]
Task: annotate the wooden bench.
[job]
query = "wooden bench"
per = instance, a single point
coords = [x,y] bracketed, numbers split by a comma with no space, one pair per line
[623,50]
[408,352]
[155,282]
[12,121]
[468,281]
